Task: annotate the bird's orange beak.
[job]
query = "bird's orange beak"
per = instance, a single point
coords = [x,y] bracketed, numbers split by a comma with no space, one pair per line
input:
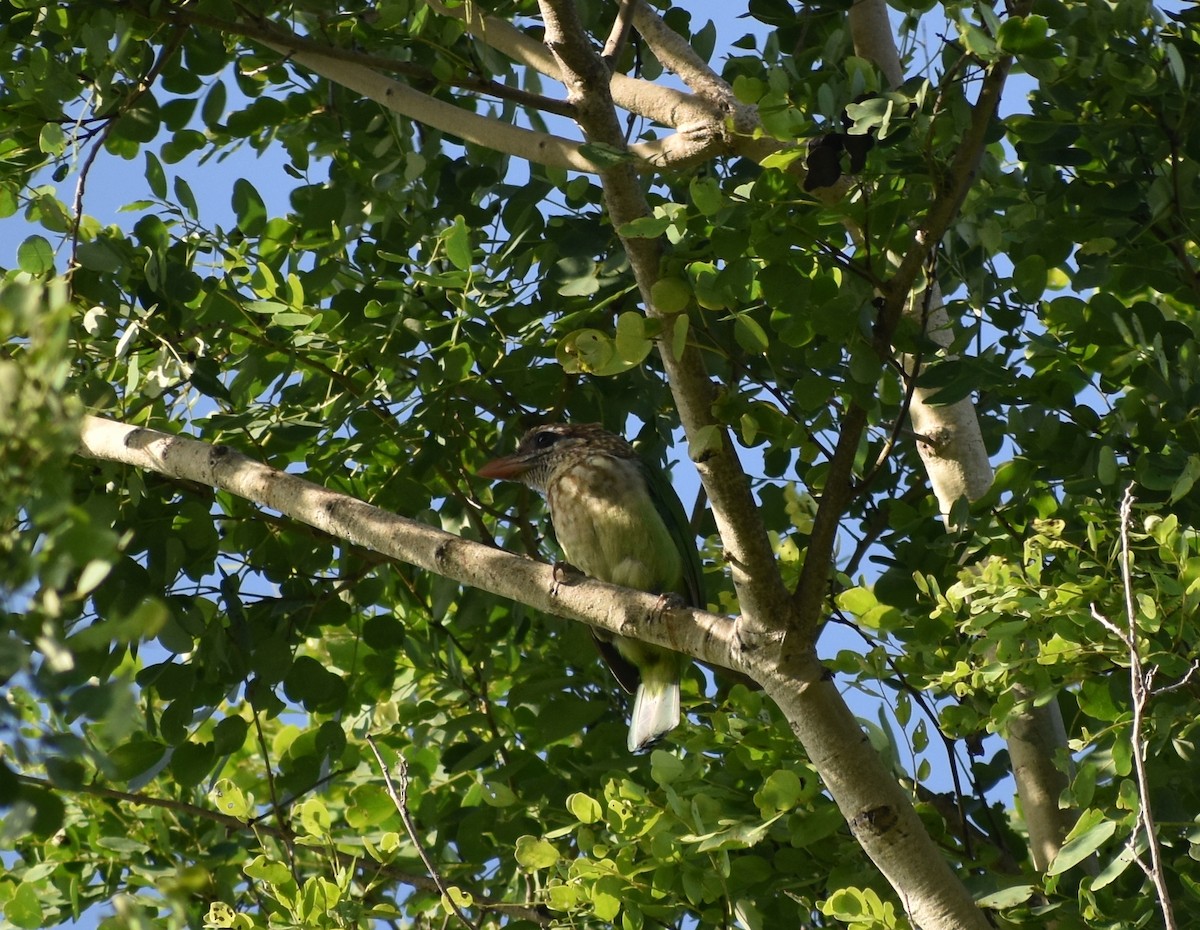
[506,468]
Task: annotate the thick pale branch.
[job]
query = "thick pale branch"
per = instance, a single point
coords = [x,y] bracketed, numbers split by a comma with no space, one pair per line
[695,142]
[708,637]
[956,459]
[871,32]
[540,147]
[676,55]
[879,812]
[271,31]
[955,456]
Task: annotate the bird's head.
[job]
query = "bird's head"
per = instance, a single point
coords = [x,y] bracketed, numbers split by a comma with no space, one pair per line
[545,449]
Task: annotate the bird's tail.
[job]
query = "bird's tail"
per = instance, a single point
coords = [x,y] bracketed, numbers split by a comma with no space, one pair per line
[655,711]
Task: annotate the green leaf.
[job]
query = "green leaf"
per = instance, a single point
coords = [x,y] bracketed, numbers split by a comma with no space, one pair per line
[35,256]
[140,122]
[52,140]
[1186,481]
[24,908]
[606,900]
[266,870]
[585,808]
[977,42]
[1116,868]
[1007,897]
[750,336]
[314,817]
[463,899]
[187,200]
[780,792]
[93,573]
[856,600]
[100,255]
[497,794]
[230,800]
[1023,34]
[248,207]
[670,295]
[646,227]
[533,853]
[632,344]
[679,335]
[705,193]
[1090,833]
[457,240]
[191,762]
[213,108]
[135,757]
[1030,277]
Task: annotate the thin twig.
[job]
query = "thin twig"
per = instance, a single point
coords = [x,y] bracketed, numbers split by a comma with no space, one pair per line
[619,34]
[168,51]
[400,799]
[1182,683]
[276,807]
[1139,687]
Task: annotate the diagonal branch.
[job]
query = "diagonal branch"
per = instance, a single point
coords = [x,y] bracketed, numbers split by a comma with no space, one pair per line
[635,614]
[267,30]
[619,33]
[761,594]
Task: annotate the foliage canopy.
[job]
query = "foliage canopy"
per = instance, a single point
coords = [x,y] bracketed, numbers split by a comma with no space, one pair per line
[190,676]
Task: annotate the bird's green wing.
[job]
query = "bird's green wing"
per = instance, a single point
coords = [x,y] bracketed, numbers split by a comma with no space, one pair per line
[670,508]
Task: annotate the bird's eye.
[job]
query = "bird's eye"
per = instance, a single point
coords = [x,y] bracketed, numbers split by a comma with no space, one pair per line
[546,440]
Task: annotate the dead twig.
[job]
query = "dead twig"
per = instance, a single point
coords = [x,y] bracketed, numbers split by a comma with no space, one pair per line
[400,799]
[1140,689]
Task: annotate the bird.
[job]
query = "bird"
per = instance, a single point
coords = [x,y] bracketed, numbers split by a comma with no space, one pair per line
[617,520]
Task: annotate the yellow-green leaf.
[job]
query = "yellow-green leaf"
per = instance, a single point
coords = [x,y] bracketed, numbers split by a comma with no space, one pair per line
[534,853]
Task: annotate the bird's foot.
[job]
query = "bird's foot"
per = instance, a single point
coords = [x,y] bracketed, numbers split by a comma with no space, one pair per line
[668,601]
[562,572]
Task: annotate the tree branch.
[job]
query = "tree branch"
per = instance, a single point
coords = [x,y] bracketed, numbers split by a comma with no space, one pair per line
[542,148]
[946,205]
[878,811]
[704,636]
[809,596]
[619,33]
[267,30]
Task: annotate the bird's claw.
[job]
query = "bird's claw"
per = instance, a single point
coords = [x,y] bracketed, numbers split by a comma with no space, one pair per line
[560,570]
[669,601]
